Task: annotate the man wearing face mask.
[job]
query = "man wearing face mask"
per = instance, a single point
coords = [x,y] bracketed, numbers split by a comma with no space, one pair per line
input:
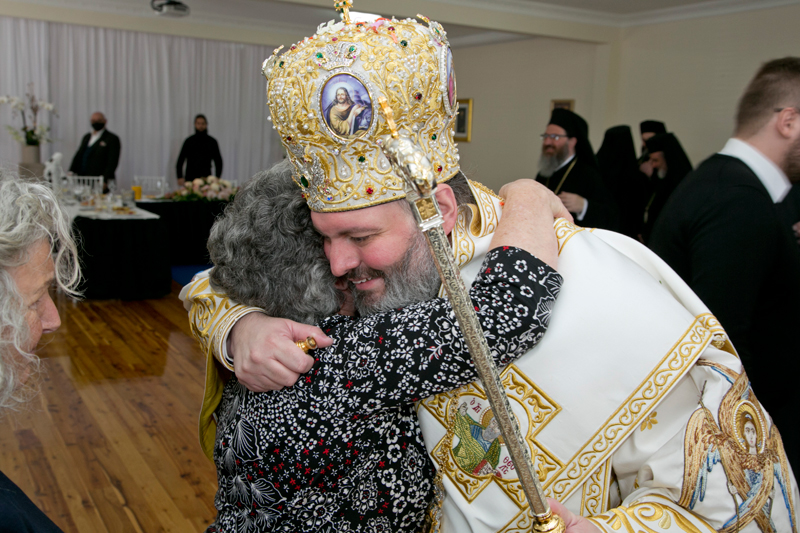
[198,152]
[98,154]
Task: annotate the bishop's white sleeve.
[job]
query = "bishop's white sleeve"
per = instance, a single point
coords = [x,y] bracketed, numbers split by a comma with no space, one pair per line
[212,316]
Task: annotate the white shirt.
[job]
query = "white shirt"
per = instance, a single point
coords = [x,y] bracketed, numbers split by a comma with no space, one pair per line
[96,136]
[768,173]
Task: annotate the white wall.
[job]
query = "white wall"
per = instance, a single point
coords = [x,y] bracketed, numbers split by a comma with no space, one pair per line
[511,86]
[691,73]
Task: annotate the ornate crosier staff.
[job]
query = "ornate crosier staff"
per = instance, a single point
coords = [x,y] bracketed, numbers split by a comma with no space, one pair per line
[412,165]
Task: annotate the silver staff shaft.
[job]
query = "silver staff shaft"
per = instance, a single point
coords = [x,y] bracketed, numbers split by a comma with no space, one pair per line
[411,164]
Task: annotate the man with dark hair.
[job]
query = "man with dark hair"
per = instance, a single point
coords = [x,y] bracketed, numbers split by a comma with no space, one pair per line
[647,129]
[569,168]
[721,231]
[198,152]
[98,154]
[670,165]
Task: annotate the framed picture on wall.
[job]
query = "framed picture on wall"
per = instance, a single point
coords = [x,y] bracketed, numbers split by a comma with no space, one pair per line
[569,105]
[463,131]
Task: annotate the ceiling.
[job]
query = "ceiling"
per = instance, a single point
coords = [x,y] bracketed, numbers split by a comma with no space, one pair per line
[301,17]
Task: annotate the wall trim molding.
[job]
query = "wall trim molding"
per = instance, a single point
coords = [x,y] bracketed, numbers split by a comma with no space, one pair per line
[710,8]
[228,29]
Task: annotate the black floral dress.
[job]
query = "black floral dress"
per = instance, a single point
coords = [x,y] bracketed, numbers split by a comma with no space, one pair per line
[341,450]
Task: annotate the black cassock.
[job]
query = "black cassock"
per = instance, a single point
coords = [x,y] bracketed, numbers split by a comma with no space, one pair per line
[198,152]
[585,180]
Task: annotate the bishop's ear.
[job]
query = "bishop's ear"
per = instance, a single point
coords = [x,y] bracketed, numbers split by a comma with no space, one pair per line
[448,205]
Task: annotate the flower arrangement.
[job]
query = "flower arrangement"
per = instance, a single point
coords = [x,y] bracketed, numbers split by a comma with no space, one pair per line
[204,190]
[31,133]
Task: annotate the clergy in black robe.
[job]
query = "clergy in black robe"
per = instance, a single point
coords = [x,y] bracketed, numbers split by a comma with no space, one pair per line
[647,129]
[198,152]
[569,168]
[617,160]
[670,165]
[98,154]
[722,232]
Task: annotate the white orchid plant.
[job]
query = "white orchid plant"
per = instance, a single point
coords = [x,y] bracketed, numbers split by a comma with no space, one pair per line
[32,132]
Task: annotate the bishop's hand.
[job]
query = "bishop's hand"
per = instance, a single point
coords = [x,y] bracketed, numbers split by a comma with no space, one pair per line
[573,523]
[265,356]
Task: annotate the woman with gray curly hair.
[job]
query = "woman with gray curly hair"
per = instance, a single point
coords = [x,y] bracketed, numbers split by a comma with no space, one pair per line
[37,251]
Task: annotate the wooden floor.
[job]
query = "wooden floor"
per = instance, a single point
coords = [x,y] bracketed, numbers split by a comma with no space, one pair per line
[110,443]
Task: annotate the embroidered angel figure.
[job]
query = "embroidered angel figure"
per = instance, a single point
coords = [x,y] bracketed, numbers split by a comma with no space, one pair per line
[752,458]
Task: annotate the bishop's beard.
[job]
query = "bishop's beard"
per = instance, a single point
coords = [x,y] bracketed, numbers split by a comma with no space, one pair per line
[413,279]
[548,164]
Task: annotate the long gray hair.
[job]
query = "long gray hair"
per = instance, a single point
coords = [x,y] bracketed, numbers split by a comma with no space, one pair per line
[267,254]
[29,214]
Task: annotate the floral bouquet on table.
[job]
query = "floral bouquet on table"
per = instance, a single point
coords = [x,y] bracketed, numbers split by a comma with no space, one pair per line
[31,133]
[205,190]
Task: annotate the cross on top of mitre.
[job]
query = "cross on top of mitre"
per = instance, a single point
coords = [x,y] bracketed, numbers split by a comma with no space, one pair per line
[344,6]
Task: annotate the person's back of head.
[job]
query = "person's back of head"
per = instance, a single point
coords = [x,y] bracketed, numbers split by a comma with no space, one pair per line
[775,86]
[267,254]
[617,154]
[29,215]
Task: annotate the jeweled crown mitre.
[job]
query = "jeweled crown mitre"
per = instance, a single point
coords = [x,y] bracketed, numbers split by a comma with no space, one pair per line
[323,98]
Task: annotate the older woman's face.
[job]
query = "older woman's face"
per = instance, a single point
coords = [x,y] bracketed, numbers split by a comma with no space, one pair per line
[33,280]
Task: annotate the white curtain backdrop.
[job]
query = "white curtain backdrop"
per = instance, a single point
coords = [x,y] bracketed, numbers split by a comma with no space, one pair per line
[149,86]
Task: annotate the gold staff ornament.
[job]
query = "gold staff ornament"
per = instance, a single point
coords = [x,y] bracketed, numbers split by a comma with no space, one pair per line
[409,162]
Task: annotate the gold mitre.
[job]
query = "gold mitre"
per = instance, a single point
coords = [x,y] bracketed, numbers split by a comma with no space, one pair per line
[323,98]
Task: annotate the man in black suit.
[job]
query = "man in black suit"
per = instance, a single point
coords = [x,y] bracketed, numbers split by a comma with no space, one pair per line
[722,232]
[99,152]
[569,168]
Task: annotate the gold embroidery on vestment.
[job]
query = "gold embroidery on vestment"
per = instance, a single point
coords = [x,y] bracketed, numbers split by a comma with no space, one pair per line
[594,499]
[649,422]
[751,457]
[455,411]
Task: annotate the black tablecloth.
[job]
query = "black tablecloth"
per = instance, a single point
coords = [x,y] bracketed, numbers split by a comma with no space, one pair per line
[188,225]
[126,259]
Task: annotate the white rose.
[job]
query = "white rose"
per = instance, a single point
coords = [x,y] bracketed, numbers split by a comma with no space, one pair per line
[188,184]
[4,99]
[225,183]
[215,187]
[198,182]
[212,179]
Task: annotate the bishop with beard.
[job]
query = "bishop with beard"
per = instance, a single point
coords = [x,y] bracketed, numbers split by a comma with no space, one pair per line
[568,167]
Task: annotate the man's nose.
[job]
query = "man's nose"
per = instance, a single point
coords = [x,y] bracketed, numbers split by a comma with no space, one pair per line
[343,257]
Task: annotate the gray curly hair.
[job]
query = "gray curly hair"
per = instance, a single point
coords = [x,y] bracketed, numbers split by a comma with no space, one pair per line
[29,214]
[267,254]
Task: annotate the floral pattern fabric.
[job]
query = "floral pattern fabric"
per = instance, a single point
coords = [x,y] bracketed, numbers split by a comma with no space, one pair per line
[341,450]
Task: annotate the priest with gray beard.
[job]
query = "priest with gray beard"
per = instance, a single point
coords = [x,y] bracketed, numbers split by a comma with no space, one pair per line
[568,167]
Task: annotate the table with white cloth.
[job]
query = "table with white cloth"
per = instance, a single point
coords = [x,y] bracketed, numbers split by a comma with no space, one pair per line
[123,255]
